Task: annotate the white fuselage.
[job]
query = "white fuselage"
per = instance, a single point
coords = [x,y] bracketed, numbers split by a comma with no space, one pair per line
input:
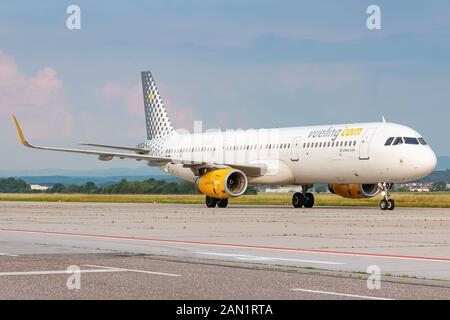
[346,153]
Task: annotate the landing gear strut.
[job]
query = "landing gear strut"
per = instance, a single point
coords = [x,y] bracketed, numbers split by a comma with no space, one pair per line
[386,203]
[303,199]
[212,202]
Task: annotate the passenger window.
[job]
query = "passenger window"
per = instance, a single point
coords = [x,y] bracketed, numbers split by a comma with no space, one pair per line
[397,141]
[422,141]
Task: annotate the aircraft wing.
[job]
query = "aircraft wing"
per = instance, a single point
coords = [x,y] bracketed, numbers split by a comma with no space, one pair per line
[250,170]
[138,150]
[103,155]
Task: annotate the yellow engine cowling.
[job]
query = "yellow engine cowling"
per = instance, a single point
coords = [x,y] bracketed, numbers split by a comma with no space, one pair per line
[354,190]
[222,183]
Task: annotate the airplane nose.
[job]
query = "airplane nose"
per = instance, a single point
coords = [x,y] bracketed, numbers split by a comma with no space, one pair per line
[432,161]
[426,162]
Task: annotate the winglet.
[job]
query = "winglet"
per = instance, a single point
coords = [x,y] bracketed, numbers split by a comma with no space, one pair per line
[19,131]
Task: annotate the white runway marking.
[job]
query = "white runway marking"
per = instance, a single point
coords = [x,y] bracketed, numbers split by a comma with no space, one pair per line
[41,273]
[134,270]
[258,258]
[101,269]
[8,255]
[342,294]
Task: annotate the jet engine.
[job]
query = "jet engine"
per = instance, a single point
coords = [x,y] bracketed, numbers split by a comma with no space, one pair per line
[222,183]
[354,190]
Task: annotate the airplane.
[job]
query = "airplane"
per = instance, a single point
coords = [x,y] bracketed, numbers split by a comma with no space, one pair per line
[356,160]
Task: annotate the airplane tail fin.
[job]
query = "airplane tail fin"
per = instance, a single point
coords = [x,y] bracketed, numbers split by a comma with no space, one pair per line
[156,118]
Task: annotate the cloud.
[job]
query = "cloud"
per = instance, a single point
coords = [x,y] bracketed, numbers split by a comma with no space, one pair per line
[130,98]
[38,100]
[318,77]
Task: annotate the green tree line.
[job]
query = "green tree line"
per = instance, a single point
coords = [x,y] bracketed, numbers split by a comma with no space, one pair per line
[149,186]
[12,185]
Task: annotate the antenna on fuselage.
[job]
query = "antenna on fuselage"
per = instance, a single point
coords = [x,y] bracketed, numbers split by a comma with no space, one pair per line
[384,120]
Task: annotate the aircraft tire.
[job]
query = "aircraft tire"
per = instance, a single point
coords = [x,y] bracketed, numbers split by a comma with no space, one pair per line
[298,200]
[210,202]
[309,200]
[222,203]
[391,204]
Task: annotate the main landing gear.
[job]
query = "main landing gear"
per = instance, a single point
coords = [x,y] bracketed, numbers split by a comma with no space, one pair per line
[212,202]
[386,203]
[303,199]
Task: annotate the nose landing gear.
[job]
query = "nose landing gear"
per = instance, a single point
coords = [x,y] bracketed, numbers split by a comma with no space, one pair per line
[386,203]
[303,199]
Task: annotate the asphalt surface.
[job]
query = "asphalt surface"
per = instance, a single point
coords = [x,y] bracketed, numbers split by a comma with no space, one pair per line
[154,251]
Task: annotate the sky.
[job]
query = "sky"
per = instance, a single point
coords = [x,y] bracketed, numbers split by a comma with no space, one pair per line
[232,64]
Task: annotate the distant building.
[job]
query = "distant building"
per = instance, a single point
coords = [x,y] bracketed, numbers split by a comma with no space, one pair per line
[420,189]
[38,187]
[414,187]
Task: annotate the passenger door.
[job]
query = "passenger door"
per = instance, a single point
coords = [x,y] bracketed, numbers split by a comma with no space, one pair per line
[295,148]
[364,143]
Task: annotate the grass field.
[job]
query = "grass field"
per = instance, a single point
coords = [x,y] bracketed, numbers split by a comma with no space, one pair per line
[436,200]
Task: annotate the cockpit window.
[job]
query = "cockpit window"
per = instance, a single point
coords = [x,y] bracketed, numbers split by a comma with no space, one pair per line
[422,141]
[411,140]
[398,140]
[389,141]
